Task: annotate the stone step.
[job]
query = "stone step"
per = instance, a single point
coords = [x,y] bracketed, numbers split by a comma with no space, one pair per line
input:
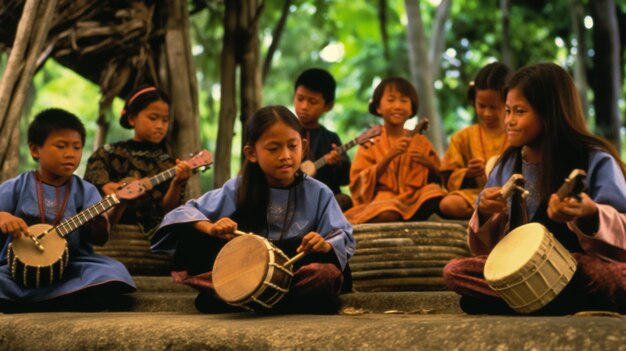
[247,331]
[160,294]
[159,284]
[424,302]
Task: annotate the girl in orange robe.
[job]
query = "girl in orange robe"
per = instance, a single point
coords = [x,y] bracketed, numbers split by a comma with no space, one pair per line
[463,165]
[397,178]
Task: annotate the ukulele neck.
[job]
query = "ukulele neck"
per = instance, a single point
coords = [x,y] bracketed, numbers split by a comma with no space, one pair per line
[71,224]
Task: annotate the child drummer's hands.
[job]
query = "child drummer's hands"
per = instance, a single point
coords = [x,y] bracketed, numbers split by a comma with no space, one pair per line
[399,147]
[183,172]
[11,225]
[570,208]
[314,243]
[476,167]
[224,228]
[333,157]
[491,202]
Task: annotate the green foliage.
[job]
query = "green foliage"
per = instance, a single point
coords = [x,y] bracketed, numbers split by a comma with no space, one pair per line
[540,31]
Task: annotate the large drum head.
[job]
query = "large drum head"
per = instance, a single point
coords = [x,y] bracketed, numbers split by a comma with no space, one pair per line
[514,251]
[240,268]
[25,249]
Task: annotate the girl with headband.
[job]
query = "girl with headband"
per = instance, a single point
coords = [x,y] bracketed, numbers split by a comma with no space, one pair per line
[146,111]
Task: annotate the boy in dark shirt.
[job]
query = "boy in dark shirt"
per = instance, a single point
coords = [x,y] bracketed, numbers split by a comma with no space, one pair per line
[315,95]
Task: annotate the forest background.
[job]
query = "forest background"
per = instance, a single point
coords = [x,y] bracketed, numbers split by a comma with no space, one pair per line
[360,42]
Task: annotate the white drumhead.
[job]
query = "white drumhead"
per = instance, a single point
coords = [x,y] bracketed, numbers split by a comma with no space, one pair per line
[514,251]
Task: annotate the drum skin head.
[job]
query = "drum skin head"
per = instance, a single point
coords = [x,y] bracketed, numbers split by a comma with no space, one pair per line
[513,251]
[240,268]
[53,244]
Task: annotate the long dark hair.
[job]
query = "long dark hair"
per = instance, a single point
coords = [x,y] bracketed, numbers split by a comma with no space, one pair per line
[253,190]
[567,142]
[491,77]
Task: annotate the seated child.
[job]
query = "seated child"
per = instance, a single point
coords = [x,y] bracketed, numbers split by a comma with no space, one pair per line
[315,95]
[146,112]
[548,139]
[463,165]
[271,198]
[397,178]
[48,195]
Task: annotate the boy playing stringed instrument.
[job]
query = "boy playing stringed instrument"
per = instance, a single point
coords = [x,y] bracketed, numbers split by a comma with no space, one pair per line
[49,195]
[314,95]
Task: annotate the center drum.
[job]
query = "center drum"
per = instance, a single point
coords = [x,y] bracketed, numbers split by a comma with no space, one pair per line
[250,272]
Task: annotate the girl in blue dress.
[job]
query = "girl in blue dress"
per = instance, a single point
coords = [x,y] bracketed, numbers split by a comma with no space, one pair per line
[49,195]
[548,139]
[271,198]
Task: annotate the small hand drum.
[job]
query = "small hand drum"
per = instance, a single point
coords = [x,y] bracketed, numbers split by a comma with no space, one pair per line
[528,268]
[251,272]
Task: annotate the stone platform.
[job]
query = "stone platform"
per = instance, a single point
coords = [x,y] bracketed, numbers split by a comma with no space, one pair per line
[161,317]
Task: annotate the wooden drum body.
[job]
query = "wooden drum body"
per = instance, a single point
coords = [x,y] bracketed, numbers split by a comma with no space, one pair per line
[33,268]
[250,272]
[528,268]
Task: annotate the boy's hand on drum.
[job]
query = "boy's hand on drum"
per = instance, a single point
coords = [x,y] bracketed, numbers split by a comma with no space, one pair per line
[476,167]
[333,158]
[314,243]
[11,225]
[183,172]
[491,202]
[570,208]
[224,228]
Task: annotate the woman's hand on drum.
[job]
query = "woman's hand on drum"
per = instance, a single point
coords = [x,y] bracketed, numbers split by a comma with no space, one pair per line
[314,243]
[491,202]
[183,172]
[570,208]
[11,225]
[224,228]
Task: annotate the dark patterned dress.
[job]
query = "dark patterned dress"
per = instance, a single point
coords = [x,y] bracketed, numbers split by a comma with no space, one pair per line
[115,162]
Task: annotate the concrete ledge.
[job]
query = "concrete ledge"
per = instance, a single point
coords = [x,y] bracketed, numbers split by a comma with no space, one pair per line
[421,302]
[175,331]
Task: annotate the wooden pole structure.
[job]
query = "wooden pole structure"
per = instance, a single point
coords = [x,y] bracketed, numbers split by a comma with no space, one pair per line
[183,86]
[29,42]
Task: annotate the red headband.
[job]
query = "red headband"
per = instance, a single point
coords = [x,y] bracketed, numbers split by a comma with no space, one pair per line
[144,90]
[130,101]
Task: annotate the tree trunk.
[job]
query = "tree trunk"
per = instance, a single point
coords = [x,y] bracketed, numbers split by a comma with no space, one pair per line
[422,73]
[228,105]
[507,53]
[276,35]
[438,42]
[15,84]
[250,79]
[607,80]
[580,66]
[384,37]
[183,87]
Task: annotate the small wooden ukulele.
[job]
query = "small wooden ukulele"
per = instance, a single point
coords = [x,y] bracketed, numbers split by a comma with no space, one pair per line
[311,167]
[573,185]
